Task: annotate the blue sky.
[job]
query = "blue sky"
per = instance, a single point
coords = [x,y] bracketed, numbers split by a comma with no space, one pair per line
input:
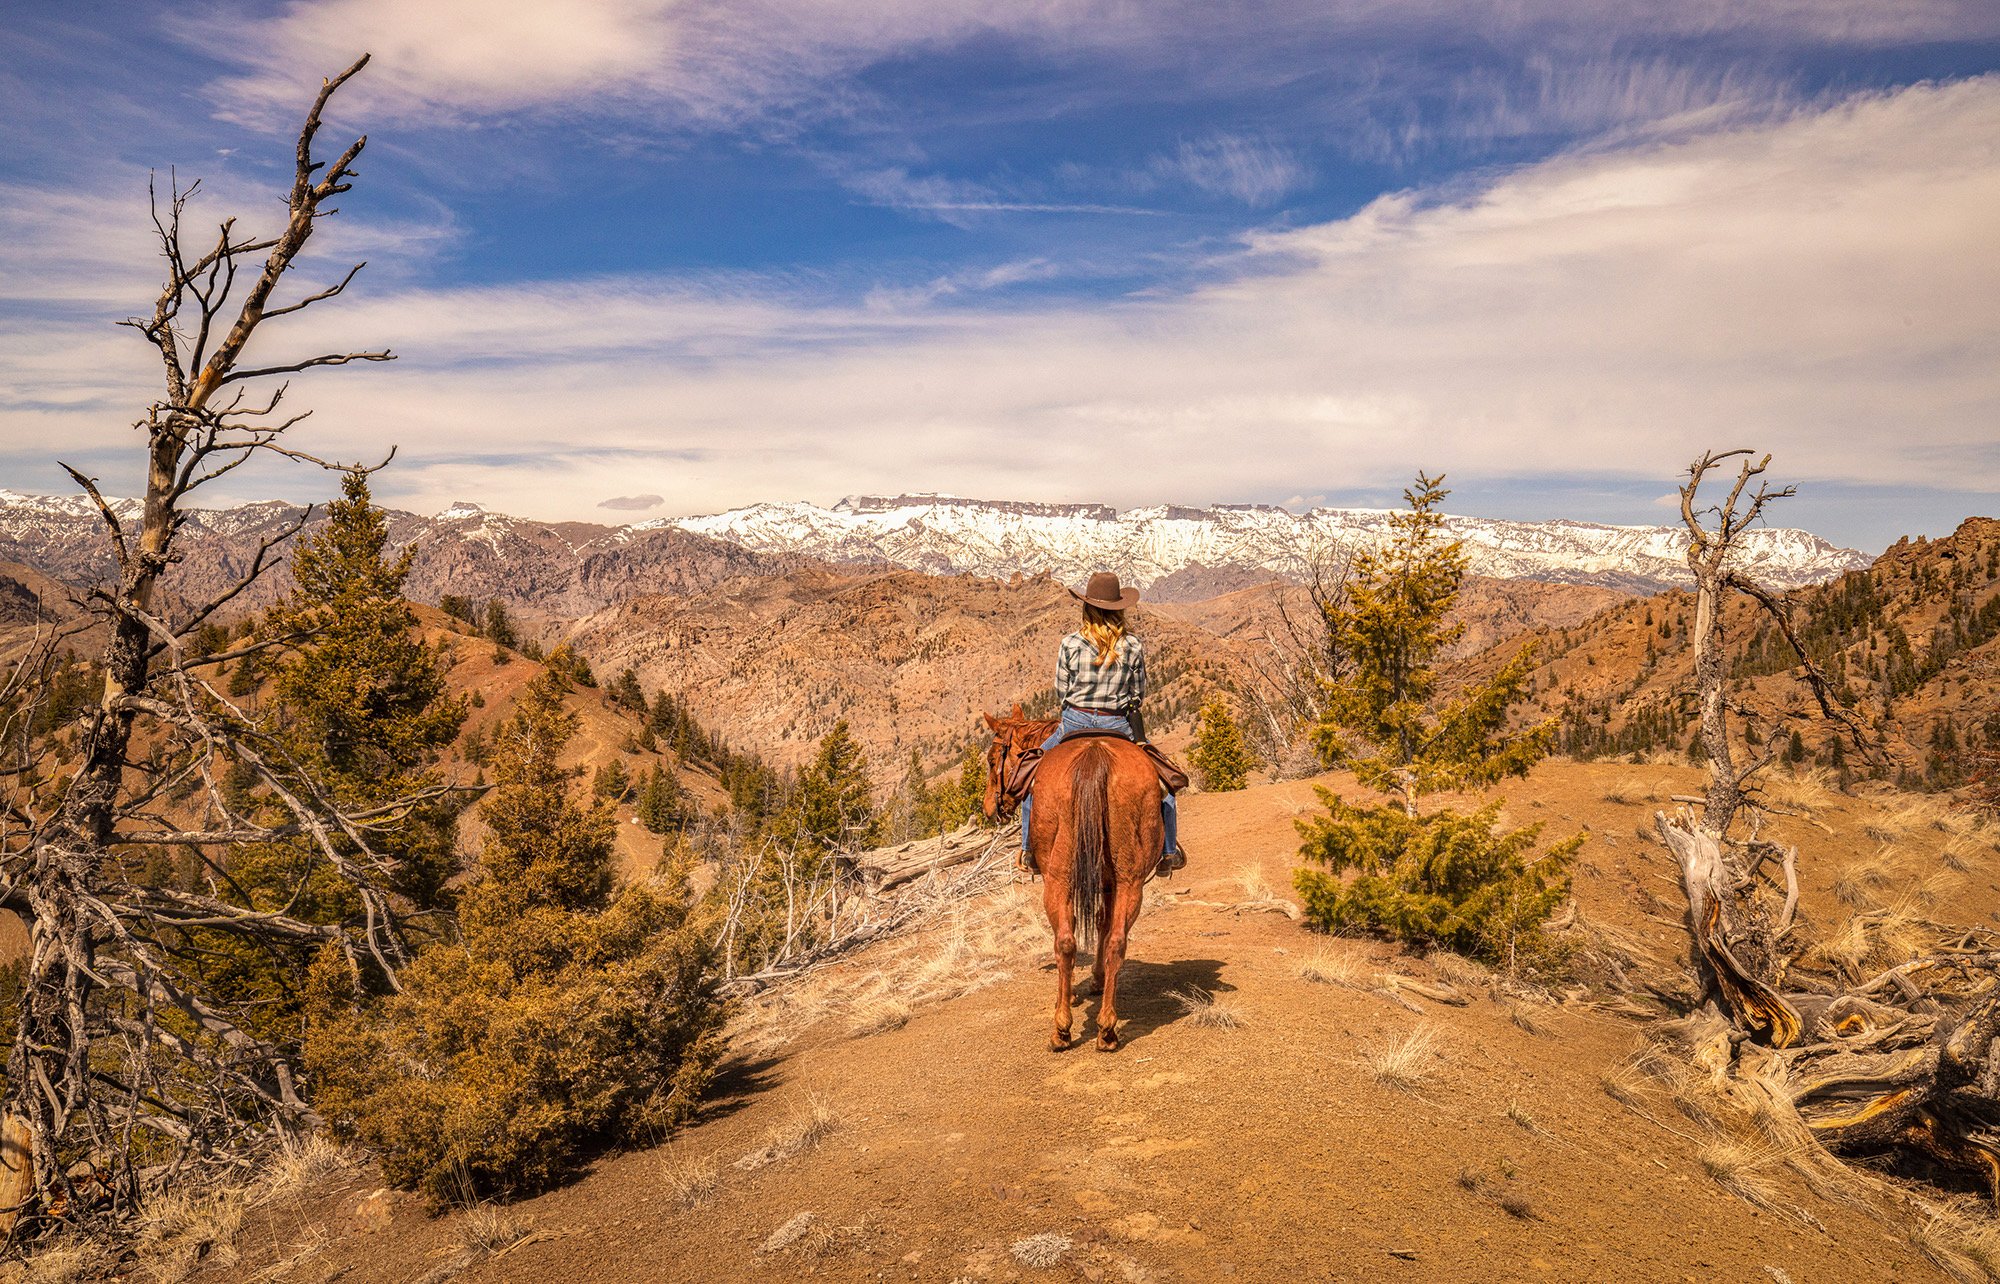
[1068,250]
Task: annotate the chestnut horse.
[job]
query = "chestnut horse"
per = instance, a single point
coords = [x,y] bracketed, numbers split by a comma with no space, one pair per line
[1096,834]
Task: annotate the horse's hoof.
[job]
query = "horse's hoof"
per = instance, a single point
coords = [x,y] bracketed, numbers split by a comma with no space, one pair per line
[1107,1043]
[1058,1043]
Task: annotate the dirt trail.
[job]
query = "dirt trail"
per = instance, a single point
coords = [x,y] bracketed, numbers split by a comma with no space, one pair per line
[1264,1152]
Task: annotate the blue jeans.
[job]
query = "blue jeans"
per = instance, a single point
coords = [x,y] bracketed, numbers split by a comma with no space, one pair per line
[1078,720]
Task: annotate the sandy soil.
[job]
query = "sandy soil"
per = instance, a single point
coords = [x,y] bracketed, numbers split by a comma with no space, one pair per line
[1268,1151]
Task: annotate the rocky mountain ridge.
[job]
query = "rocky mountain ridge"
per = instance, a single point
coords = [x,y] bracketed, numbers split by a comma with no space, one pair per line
[945,534]
[570,569]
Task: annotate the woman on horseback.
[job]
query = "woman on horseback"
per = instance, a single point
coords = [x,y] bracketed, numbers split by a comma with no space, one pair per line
[1100,680]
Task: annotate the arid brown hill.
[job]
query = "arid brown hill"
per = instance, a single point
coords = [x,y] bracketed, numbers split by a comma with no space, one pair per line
[910,660]
[1910,644]
[542,570]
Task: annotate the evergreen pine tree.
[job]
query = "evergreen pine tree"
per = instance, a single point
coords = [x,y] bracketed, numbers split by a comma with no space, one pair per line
[1219,753]
[363,715]
[611,782]
[660,800]
[564,1019]
[363,700]
[1441,877]
[833,810]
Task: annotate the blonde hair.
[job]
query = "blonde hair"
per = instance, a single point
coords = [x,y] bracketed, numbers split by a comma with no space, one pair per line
[1102,629]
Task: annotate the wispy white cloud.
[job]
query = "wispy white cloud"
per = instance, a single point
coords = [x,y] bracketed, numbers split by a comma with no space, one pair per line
[961,201]
[1822,286]
[1250,170]
[701,63]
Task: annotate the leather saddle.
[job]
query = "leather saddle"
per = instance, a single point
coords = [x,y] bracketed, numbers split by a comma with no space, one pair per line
[1172,778]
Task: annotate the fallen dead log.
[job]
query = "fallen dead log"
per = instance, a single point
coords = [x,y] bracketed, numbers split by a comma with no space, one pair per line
[889,867]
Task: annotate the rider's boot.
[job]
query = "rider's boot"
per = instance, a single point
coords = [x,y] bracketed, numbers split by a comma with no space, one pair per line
[1171,862]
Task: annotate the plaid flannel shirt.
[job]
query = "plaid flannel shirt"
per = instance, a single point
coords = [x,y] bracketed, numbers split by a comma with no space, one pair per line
[1119,683]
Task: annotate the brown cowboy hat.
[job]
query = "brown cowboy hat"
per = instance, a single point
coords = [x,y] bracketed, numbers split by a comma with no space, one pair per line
[1103,591]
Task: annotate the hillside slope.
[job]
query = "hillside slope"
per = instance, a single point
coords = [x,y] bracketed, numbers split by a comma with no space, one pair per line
[1266,1151]
[1912,644]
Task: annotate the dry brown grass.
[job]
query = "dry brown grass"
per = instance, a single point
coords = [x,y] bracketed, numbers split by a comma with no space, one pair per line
[1407,1064]
[1205,1011]
[690,1182]
[1523,1120]
[1966,1247]
[1864,881]
[876,1014]
[65,1260]
[1808,791]
[182,1231]
[1628,789]
[966,947]
[1964,852]
[1529,1017]
[1744,1169]
[482,1232]
[1913,815]
[810,1125]
[1330,965]
[1456,969]
[1250,877]
[303,1166]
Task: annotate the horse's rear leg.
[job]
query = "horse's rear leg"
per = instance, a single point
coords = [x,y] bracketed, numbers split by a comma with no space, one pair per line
[1125,901]
[1055,899]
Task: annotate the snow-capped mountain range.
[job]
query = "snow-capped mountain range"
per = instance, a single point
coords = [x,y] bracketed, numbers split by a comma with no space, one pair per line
[943,534]
[570,568]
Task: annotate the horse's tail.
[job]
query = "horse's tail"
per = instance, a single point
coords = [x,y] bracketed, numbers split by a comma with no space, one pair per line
[1090,807]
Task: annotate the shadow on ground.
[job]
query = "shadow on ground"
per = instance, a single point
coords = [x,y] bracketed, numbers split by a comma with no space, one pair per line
[1145,995]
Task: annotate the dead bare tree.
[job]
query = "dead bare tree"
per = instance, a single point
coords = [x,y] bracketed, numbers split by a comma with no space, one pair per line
[1902,1060]
[121,1063]
[1288,680]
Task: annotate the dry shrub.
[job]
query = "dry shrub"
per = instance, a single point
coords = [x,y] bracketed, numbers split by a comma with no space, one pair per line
[1204,1011]
[1407,1064]
[810,1125]
[183,1231]
[689,1182]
